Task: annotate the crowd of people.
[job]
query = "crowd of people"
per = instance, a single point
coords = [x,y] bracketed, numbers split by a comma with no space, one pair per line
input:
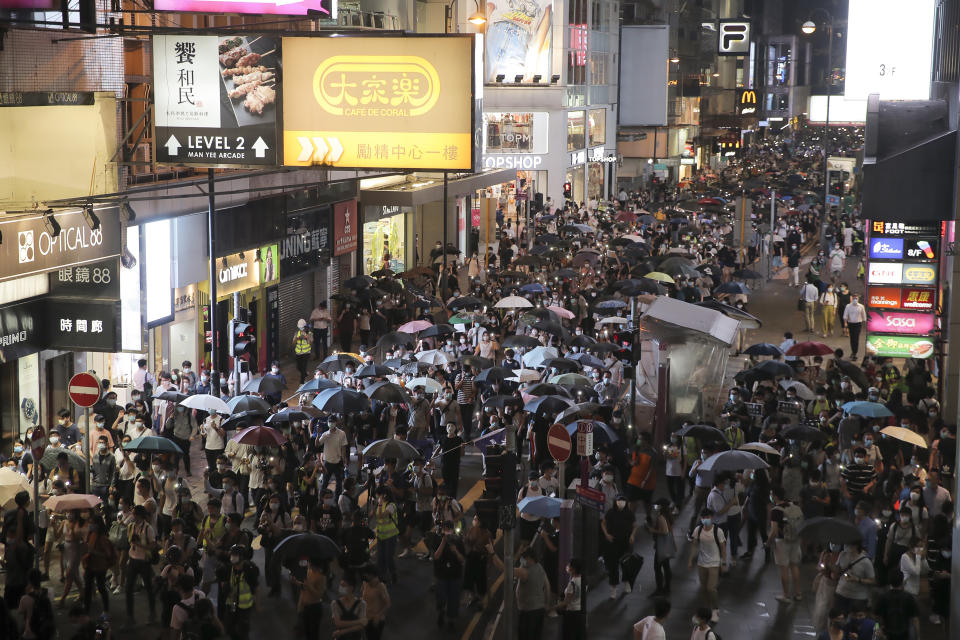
[481,359]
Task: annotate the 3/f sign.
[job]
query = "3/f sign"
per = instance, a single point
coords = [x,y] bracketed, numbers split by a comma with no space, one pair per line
[584,439]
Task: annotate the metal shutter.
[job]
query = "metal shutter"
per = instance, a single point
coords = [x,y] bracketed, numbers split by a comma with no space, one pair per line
[296,301]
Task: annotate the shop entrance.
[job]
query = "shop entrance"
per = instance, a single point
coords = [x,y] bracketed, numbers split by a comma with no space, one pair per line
[58,371]
[9,407]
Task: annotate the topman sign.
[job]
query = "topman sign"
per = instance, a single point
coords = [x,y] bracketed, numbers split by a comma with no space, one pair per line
[525,161]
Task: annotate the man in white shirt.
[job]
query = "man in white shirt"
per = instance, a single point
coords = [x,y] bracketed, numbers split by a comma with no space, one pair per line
[788,342]
[854,315]
[651,627]
[809,294]
[335,453]
[183,610]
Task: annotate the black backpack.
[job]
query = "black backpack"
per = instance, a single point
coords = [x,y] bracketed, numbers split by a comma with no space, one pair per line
[41,618]
[192,627]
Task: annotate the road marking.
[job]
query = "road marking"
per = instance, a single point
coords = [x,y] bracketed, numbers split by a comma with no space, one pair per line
[472,625]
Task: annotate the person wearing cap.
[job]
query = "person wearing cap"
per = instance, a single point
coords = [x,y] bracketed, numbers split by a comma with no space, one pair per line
[302,345]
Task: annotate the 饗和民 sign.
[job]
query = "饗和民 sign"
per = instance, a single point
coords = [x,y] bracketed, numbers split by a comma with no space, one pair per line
[379,102]
[917,324]
[899,346]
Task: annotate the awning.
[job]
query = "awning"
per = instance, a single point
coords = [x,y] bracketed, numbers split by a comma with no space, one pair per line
[668,315]
[424,188]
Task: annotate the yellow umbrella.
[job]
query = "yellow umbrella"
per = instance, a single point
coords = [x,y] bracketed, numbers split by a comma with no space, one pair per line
[660,276]
[906,435]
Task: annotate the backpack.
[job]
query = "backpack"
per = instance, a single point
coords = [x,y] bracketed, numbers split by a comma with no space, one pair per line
[716,536]
[41,618]
[118,536]
[792,520]
[192,627]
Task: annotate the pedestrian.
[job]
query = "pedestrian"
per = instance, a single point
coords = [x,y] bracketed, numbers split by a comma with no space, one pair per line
[387,519]
[825,586]
[448,562]
[571,606]
[466,396]
[182,429]
[709,548]
[374,593]
[142,537]
[320,320]
[239,592]
[619,529]
[828,309]
[785,520]
[660,526]
[335,453]
[533,594]
[651,627]
[897,611]
[701,625]
[854,315]
[349,612]
[100,557]
[346,327]
[856,578]
[302,345]
[808,296]
[313,591]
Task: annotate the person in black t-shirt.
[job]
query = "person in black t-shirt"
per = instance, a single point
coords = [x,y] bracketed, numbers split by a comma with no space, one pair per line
[897,611]
[355,541]
[324,517]
[448,562]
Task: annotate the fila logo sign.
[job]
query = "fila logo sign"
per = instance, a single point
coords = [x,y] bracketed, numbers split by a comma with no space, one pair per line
[734,38]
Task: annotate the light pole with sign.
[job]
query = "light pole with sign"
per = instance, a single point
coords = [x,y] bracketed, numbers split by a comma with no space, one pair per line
[809,28]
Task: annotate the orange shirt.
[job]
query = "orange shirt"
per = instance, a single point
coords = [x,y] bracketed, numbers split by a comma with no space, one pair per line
[640,465]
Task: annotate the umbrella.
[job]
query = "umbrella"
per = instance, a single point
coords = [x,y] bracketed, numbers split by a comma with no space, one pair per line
[553,328]
[264,385]
[600,347]
[513,302]
[528,260]
[826,530]
[341,401]
[243,418]
[395,339]
[612,303]
[247,403]
[12,482]
[612,320]
[466,301]
[72,501]
[763,349]
[775,368]
[539,355]
[747,274]
[547,404]
[260,437]
[171,396]
[581,341]
[502,400]
[562,364]
[582,410]
[626,216]
[587,360]
[546,389]
[802,390]
[465,317]
[153,444]
[525,375]
[566,272]
[804,432]
[854,372]
[701,432]
[494,374]
[734,460]
[747,321]
[429,384]
[306,545]
[867,409]
[533,287]
[733,287]
[475,361]
[338,361]
[809,349]
[317,384]
[415,326]
[601,431]
[74,459]
[437,331]
[206,402]
[382,273]
[585,257]
[563,313]
[759,447]
[540,506]
[359,282]
[374,371]
[905,435]
[434,356]
[388,392]
[288,415]
[527,342]
[414,368]
[570,378]
[391,448]
[516,275]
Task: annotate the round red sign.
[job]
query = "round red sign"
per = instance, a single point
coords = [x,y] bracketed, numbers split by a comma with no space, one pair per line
[84,389]
[558,443]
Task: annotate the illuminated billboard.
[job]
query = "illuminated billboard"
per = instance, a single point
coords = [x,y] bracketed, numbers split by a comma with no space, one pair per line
[379,102]
[519,39]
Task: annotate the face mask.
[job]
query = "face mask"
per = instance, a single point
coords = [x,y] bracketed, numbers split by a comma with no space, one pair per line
[101,447]
[61,422]
[868,443]
[834,547]
[134,397]
[914,497]
[54,439]
[223,383]
[344,591]
[944,434]
[18,449]
[111,402]
[932,414]
[234,559]
[608,477]
[274,506]
[706,521]
[99,425]
[139,425]
[621,504]
[274,370]
[204,378]
[523,562]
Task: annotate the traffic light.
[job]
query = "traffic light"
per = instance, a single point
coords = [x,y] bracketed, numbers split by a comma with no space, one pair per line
[244,338]
[500,476]
[567,190]
[488,511]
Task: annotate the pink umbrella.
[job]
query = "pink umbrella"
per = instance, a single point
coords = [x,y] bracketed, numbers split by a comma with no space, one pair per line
[414,326]
[72,501]
[560,311]
[260,437]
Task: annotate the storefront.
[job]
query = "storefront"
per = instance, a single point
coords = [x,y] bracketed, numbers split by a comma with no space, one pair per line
[385,238]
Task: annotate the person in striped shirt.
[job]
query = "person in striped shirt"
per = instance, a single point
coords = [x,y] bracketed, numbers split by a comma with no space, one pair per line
[857,480]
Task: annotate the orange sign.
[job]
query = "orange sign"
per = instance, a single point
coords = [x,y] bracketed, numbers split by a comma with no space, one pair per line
[883,297]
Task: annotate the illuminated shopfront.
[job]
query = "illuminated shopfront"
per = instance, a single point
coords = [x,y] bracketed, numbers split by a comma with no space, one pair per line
[384,244]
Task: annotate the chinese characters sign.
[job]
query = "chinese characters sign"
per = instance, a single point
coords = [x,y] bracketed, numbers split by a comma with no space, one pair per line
[346,230]
[56,323]
[324,9]
[379,102]
[216,99]
[899,346]
[95,280]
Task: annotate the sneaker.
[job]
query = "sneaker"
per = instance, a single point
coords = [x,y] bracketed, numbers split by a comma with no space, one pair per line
[784,599]
[404,553]
[627,588]
[935,619]
[715,618]
[614,591]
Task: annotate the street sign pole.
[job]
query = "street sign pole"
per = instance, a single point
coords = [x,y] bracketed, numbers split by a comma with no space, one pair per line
[509,603]
[38,444]
[84,390]
[86,419]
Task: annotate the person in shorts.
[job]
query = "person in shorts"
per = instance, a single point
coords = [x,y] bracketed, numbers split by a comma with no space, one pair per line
[786,549]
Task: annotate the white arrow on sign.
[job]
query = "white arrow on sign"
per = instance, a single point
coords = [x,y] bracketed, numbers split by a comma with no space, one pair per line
[336,150]
[260,147]
[306,149]
[173,146]
[321,149]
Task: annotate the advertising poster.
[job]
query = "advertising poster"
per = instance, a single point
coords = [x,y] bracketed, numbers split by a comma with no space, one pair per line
[916,324]
[379,102]
[216,99]
[883,297]
[918,299]
[885,273]
[899,346]
[269,261]
[346,231]
[383,245]
[519,39]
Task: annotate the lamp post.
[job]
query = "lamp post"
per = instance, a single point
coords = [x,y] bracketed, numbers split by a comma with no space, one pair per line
[809,28]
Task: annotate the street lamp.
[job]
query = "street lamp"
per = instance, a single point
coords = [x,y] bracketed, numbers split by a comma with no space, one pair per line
[809,28]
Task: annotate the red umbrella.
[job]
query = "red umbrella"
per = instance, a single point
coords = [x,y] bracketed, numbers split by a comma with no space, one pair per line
[792,212]
[626,216]
[260,437]
[809,349]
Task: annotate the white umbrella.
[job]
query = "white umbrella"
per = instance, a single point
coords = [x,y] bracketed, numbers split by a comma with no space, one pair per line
[206,402]
[12,482]
[560,311]
[433,356]
[537,356]
[802,390]
[429,384]
[613,320]
[525,375]
[759,447]
[513,302]
[905,435]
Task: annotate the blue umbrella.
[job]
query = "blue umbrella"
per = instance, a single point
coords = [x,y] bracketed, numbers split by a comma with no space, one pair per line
[611,304]
[732,287]
[763,349]
[540,506]
[534,287]
[601,431]
[647,219]
[867,409]
[678,221]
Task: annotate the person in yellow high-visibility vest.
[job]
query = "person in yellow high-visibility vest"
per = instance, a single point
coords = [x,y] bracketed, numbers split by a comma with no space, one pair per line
[302,346]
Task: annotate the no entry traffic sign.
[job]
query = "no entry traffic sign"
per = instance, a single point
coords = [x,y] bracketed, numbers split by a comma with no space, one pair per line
[84,390]
[558,443]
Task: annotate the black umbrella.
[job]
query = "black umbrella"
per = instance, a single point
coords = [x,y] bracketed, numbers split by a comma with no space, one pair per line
[383,273]
[245,417]
[547,389]
[494,374]
[475,361]
[854,372]
[395,339]
[563,364]
[582,341]
[373,293]
[247,403]
[826,530]
[264,385]
[546,238]
[391,448]
[602,347]
[580,393]
[346,297]
[564,273]
[803,432]
[374,371]
[171,396]
[775,368]
[583,411]
[527,342]
[528,260]
[339,361]
[587,360]
[763,349]
[286,416]
[389,285]
[317,384]
[549,327]
[542,405]
[359,282]
[306,545]
[341,401]
[437,330]
[501,401]
[465,302]
[701,432]
[388,392]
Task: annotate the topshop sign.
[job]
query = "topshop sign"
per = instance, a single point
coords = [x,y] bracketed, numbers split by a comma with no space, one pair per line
[524,161]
